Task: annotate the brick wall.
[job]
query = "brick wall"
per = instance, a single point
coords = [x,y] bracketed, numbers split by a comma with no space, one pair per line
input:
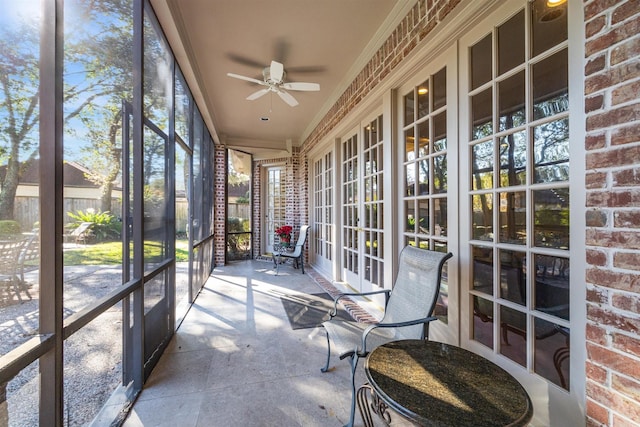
[612,108]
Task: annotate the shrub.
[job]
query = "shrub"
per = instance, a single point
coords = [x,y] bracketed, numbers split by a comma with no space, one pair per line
[9,228]
[104,225]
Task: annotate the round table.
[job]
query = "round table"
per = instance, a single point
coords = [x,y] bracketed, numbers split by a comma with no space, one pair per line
[436,384]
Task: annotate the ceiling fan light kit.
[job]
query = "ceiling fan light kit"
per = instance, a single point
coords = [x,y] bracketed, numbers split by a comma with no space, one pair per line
[273,80]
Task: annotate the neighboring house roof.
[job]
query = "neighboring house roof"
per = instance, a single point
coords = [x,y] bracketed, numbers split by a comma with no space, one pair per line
[73,175]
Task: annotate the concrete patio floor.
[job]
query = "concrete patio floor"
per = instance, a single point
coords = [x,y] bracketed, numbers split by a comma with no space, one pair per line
[235,359]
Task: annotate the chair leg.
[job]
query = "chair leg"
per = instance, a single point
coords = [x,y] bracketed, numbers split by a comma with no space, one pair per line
[354,365]
[302,263]
[326,366]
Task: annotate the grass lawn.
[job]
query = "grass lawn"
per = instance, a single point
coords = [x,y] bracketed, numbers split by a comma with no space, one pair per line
[111,253]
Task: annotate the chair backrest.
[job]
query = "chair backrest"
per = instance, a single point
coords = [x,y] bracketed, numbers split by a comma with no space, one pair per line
[302,238]
[415,291]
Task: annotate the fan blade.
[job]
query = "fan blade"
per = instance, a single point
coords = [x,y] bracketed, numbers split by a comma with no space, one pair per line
[258,94]
[249,79]
[286,97]
[276,71]
[301,86]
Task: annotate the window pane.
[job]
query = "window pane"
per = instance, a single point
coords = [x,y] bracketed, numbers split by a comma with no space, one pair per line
[481,114]
[513,218]
[551,151]
[481,54]
[423,176]
[409,144]
[552,285]
[511,102]
[410,225]
[551,218]
[513,325]
[410,179]
[440,132]
[423,99]
[440,174]
[552,351]
[423,218]
[550,86]
[548,25]
[482,165]
[482,226]
[483,321]
[440,89]
[511,43]
[423,138]
[513,159]
[483,269]
[409,108]
[513,276]
[440,216]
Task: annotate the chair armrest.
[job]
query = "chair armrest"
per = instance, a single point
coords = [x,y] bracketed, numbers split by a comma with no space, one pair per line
[334,311]
[364,352]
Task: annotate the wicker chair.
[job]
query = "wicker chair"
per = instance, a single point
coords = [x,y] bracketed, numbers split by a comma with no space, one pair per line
[407,314]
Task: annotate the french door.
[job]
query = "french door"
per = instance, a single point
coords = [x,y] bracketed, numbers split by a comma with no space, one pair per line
[323,213]
[362,174]
[275,197]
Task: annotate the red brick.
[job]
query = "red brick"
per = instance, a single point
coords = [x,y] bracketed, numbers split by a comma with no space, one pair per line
[596,373]
[615,239]
[612,360]
[598,413]
[626,219]
[595,8]
[624,155]
[612,318]
[593,103]
[619,421]
[626,10]
[628,344]
[595,180]
[627,260]
[595,141]
[611,37]
[596,334]
[614,116]
[625,51]
[594,26]
[627,407]
[627,177]
[627,302]
[625,134]
[614,76]
[625,93]
[598,393]
[616,198]
[596,257]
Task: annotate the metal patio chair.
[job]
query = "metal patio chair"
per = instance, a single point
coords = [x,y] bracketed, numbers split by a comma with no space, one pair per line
[408,311]
[298,251]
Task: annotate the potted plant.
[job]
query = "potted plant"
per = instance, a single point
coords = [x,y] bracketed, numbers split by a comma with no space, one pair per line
[284,233]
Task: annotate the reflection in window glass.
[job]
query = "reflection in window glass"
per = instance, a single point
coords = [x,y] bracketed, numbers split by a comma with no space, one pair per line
[409,108]
[481,114]
[423,216]
[552,351]
[410,179]
[551,218]
[548,25]
[552,285]
[513,276]
[440,132]
[440,174]
[482,222]
[440,89]
[511,37]
[513,326]
[511,102]
[551,151]
[513,159]
[409,144]
[483,321]
[423,99]
[483,269]
[440,216]
[513,217]
[423,177]
[423,139]
[441,310]
[482,165]
[410,225]
[551,86]
[481,55]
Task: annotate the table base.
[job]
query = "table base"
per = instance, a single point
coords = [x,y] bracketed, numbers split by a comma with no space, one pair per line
[377,406]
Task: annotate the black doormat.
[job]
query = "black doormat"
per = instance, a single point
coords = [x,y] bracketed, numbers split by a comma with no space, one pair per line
[310,310]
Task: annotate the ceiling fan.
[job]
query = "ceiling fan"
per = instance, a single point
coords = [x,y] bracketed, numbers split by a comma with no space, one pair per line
[274,82]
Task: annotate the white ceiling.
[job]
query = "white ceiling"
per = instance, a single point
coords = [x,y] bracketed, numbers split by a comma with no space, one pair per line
[320,41]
